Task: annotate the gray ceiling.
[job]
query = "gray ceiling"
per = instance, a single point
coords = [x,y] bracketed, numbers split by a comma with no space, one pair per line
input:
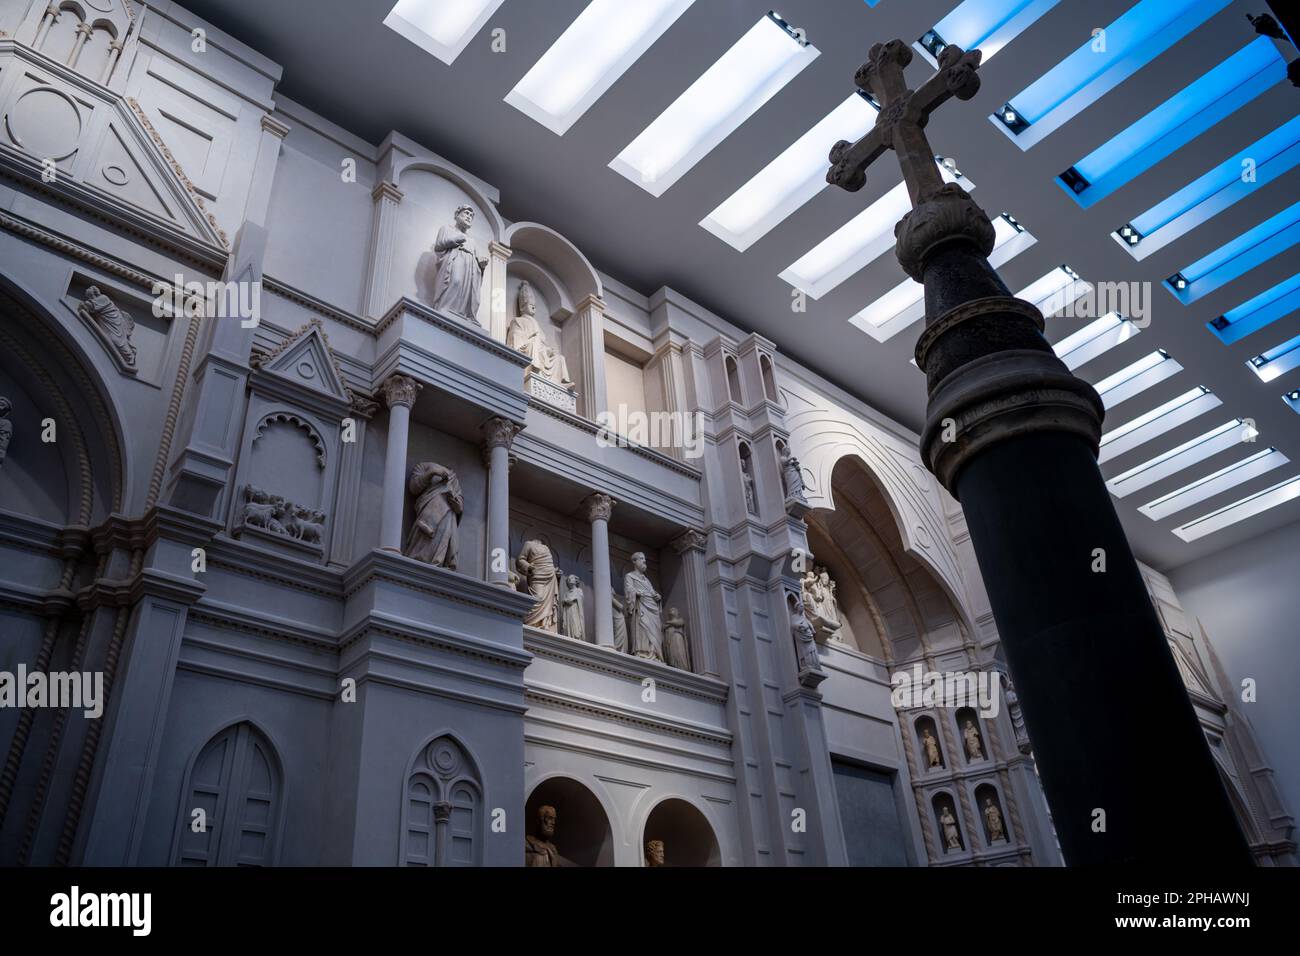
[340,61]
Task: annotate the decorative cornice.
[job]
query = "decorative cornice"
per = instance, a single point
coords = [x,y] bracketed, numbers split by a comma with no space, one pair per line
[597,506]
[582,705]
[400,390]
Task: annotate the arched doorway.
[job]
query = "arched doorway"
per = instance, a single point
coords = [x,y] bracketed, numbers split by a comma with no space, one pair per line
[582,832]
[686,836]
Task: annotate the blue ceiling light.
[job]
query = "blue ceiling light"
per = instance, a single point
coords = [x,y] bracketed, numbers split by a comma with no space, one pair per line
[1210,194]
[1132,41]
[984,25]
[1254,246]
[1175,122]
[1277,361]
[1292,399]
[1254,314]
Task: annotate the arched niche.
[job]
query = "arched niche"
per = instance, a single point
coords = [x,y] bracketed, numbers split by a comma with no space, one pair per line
[986,796]
[685,832]
[582,833]
[926,730]
[561,257]
[768,374]
[947,823]
[970,731]
[733,379]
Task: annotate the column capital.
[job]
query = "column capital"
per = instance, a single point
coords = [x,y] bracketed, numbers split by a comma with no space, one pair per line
[597,506]
[690,540]
[400,390]
[387,190]
[500,250]
[591,301]
[499,432]
[273,126]
[442,812]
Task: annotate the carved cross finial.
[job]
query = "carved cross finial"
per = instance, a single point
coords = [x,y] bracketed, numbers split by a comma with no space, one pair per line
[900,125]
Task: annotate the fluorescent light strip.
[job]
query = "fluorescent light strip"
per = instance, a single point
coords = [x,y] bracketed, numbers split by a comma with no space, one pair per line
[984,25]
[1055,291]
[905,303]
[858,242]
[1174,123]
[1132,41]
[1138,431]
[1277,361]
[1212,484]
[1254,314]
[1095,338]
[1253,247]
[1247,507]
[1228,435]
[1136,378]
[596,49]
[441,27]
[1210,194]
[735,87]
[790,180]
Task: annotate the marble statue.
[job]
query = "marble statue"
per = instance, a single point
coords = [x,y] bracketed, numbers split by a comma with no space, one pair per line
[572,623]
[620,624]
[461,264]
[6,427]
[525,335]
[1016,715]
[951,835]
[117,326]
[540,850]
[993,817]
[747,479]
[931,746]
[970,733]
[654,853]
[805,641]
[540,579]
[791,475]
[644,611]
[819,599]
[439,504]
[675,651]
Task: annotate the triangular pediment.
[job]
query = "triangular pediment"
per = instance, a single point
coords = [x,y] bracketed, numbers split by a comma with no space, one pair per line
[305,361]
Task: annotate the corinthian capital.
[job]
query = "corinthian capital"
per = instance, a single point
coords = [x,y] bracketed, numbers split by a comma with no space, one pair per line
[690,540]
[400,390]
[597,507]
[499,432]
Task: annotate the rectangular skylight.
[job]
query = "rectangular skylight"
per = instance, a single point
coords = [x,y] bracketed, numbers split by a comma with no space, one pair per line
[1228,435]
[1095,338]
[1259,311]
[1208,195]
[1247,507]
[1174,123]
[1138,431]
[597,48]
[1054,291]
[1104,61]
[905,303]
[859,241]
[1237,257]
[1276,361]
[790,180]
[441,27]
[986,25]
[1136,378]
[1215,483]
[749,74]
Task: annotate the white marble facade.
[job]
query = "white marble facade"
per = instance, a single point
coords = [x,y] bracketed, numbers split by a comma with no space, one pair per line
[221,527]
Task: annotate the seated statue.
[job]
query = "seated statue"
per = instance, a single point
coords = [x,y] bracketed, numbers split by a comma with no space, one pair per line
[525,335]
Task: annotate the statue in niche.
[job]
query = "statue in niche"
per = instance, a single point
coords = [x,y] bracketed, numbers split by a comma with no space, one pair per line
[747,480]
[1017,717]
[644,611]
[525,335]
[675,651]
[819,598]
[99,310]
[540,850]
[540,579]
[6,427]
[951,835]
[974,748]
[263,510]
[439,503]
[791,475]
[620,624]
[654,853]
[805,642]
[993,818]
[461,264]
[931,746]
[572,623]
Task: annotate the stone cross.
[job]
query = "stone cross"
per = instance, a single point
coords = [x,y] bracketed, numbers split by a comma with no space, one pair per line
[900,125]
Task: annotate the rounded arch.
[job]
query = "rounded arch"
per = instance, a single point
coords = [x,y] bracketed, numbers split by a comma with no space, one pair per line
[688,835]
[471,189]
[548,286]
[584,832]
[549,247]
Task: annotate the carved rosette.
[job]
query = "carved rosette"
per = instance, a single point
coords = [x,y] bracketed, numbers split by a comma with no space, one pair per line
[690,540]
[400,390]
[597,507]
[948,215]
